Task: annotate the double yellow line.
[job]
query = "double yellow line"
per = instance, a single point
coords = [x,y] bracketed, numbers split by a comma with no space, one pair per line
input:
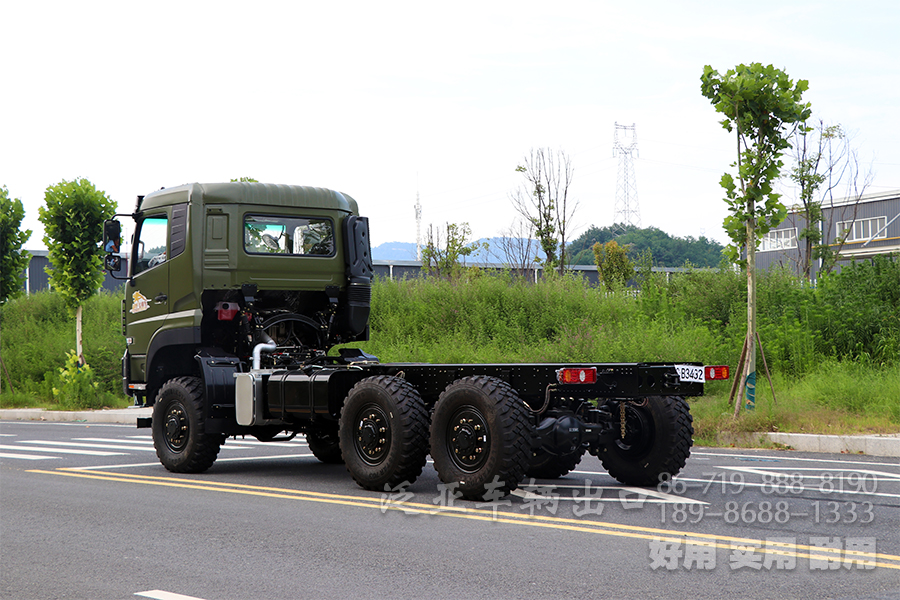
[887,561]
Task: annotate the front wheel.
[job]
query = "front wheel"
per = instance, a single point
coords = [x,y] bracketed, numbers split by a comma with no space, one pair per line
[658,438]
[481,437]
[179,429]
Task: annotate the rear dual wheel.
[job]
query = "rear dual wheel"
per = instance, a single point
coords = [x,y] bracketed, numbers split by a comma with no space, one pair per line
[481,437]
[384,433]
[657,440]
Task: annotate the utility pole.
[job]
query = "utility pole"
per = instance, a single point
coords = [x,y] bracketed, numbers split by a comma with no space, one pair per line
[627,211]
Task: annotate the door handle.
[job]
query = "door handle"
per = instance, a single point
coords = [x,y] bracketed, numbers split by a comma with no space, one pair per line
[160,299]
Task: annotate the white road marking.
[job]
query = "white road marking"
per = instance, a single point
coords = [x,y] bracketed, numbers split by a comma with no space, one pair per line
[879,474]
[161,595]
[62,450]
[104,467]
[114,440]
[624,495]
[807,489]
[814,472]
[83,445]
[883,476]
[156,464]
[263,457]
[24,456]
[241,442]
[111,446]
[754,471]
[787,458]
[258,443]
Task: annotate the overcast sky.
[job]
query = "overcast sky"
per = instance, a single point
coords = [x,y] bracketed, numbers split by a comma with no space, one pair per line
[384,100]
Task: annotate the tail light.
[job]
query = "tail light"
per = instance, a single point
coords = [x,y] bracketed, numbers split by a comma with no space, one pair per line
[569,375]
[717,372]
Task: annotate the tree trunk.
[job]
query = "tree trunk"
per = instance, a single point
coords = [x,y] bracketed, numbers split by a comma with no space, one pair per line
[750,365]
[78,348]
[808,258]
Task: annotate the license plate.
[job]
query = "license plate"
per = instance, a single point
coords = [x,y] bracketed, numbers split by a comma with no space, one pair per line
[690,373]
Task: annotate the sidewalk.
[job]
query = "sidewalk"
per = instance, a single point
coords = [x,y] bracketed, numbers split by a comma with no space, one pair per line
[872,445]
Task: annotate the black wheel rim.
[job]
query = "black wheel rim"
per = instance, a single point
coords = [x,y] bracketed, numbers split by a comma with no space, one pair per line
[176,427]
[373,434]
[638,432]
[468,441]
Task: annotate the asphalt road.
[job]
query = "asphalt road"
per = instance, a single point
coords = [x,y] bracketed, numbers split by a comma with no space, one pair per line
[87,512]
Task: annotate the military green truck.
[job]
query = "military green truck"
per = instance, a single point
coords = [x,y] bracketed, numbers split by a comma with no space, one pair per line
[236,292]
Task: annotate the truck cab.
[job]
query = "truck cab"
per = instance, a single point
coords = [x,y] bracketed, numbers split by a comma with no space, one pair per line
[226,265]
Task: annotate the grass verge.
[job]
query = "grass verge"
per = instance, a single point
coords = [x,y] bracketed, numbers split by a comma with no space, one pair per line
[838,398]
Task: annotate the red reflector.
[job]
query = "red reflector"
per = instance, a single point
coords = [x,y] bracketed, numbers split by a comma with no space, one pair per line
[577,375]
[717,372]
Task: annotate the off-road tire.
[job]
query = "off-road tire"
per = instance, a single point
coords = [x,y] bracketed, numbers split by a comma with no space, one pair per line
[481,437]
[658,440]
[325,444]
[179,429]
[389,409]
[551,466]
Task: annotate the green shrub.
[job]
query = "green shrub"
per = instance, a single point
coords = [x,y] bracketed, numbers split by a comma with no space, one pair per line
[76,388]
[37,334]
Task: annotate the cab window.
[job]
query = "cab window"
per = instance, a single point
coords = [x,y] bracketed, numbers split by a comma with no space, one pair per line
[150,248]
[294,236]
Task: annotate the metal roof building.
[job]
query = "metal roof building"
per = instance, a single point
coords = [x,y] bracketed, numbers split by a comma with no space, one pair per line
[869,225]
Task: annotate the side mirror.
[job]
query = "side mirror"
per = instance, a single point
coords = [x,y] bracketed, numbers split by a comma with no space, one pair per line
[112,263]
[112,240]
[112,236]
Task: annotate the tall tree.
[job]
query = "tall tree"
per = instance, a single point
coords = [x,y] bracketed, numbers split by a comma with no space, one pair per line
[516,247]
[543,200]
[762,106]
[443,251]
[613,265]
[73,228]
[13,260]
[823,161]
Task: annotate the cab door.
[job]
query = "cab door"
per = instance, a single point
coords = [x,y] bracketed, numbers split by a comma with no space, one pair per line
[147,296]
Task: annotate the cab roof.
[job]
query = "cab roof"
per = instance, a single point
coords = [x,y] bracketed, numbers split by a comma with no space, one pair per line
[263,194]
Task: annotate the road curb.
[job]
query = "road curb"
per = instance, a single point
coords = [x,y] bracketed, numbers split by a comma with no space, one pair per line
[873,445]
[887,445]
[123,416]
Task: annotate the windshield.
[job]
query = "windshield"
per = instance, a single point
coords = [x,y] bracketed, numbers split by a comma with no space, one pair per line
[151,243]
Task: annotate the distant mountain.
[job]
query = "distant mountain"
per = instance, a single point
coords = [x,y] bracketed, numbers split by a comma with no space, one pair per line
[394,251]
[407,251]
[667,251]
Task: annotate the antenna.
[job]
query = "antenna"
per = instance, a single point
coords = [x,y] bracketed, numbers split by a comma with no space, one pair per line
[418,226]
[627,211]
